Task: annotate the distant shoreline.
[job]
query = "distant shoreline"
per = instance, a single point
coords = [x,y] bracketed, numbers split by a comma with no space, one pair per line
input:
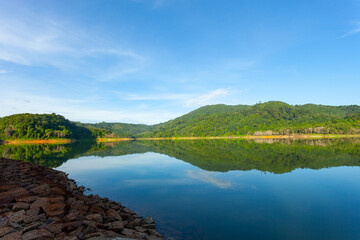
[37,141]
[104,140]
[294,136]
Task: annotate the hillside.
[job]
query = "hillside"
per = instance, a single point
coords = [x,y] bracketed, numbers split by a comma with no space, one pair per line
[120,129]
[270,118]
[44,126]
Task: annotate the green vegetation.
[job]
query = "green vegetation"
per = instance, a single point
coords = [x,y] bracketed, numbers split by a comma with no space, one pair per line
[271,118]
[122,130]
[49,155]
[223,155]
[44,126]
[278,157]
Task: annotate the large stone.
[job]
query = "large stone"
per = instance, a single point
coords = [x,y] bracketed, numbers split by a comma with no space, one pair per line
[16,217]
[117,226]
[55,228]
[37,234]
[20,206]
[128,232]
[41,189]
[96,209]
[113,213]
[12,236]
[54,209]
[32,226]
[5,230]
[26,198]
[148,220]
[11,194]
[152,237]
[73,216]
[95,217]
[134,223]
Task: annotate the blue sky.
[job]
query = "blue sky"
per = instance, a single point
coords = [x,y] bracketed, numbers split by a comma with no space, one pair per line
[148,61]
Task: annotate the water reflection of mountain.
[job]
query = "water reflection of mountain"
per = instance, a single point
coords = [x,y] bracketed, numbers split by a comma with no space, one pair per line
[271,156]
[49,155]
[212,155]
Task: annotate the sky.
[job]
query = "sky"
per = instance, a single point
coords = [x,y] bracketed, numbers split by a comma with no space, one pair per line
[149,61]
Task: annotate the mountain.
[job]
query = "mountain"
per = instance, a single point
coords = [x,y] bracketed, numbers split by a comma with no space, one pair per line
[270,118]
[121,129]
[44,126]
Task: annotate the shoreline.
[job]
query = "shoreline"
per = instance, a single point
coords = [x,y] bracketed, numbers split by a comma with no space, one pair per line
[294,136]
[105,140]
[42,203]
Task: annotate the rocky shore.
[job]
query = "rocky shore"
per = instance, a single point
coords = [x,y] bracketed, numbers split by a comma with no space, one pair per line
[41,203]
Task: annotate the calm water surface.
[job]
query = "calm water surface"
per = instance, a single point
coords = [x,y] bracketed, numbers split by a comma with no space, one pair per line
[221,189]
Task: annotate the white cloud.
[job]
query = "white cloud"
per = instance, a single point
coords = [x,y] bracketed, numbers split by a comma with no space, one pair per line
[188,100]
[209,177]
[3,71]
[208,98]
[13,102]
[354,31]
[40,40]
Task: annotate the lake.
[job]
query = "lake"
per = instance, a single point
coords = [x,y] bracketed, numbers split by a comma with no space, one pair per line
[221,189]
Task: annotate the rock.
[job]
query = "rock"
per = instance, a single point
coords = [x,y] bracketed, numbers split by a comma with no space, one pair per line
[134,223]
[73,216]
[95,217]
[12,236]
[41,189]
[37,234]
[20,206]
[54,209]
[96,209]
[153,232]
[140,229]
[55,228]
[5,230]
[27,198]
[117,226]
[70,201]
[113,213]
[129,211]
[12,194]
[128,232]
[148,220]
[70,238]
[32,226]
[108,219]
[57,191]
[71,186]
[152,237]
[16,217]
[149,225]
[42,203]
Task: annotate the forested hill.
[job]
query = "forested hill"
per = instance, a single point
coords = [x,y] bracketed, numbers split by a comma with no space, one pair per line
[44,126]
[270,118]
[121,129]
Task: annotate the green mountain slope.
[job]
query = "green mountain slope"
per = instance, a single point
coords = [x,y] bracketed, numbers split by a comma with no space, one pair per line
[270,118]
[44,126]
[121,129]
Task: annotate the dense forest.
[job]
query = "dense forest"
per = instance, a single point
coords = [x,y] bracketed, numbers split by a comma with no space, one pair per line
[212,155]
[44,126]
[123,130]
[270,118]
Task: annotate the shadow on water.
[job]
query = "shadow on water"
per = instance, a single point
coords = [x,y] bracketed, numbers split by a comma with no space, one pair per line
[276,156]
